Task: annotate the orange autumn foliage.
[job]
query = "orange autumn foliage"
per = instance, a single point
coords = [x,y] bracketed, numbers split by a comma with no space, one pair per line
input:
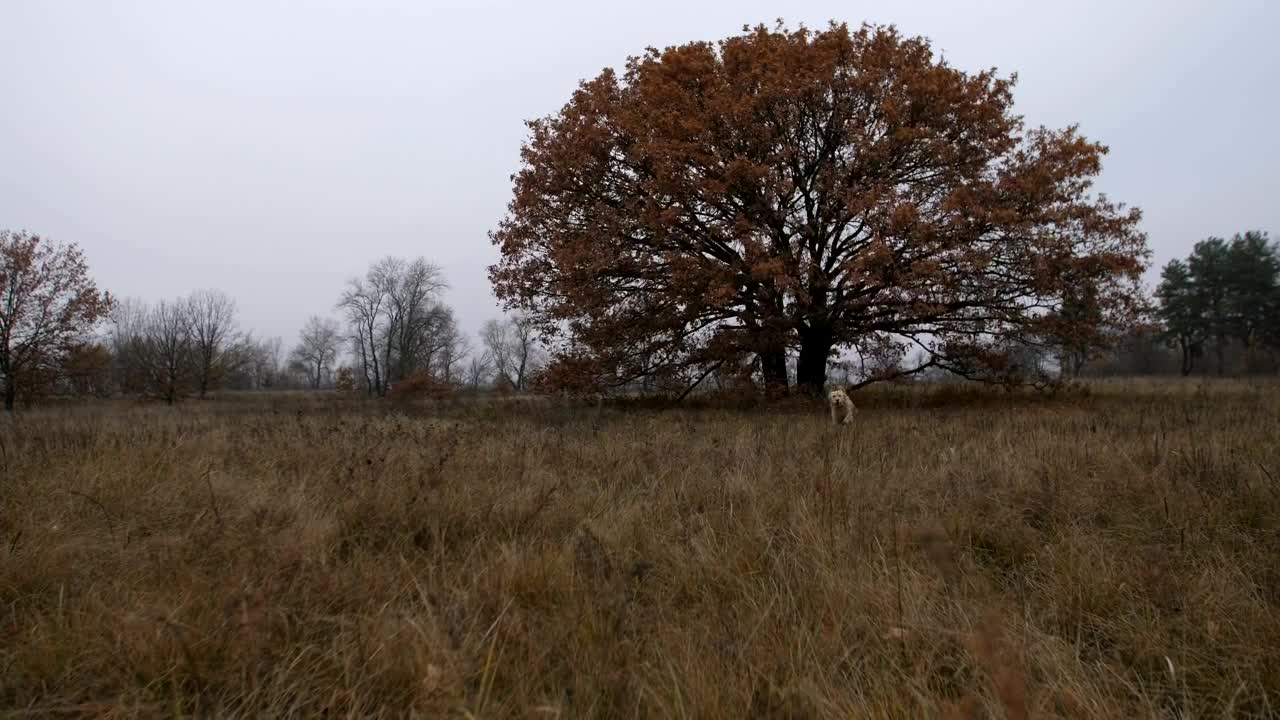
[806,191]
[48,303]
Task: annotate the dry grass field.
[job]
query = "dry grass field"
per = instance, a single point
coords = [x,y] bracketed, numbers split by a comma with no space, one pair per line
[955,553]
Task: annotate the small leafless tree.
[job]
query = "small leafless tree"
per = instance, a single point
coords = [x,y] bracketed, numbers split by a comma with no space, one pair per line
[479,370]
[453,348]
[128,326]
[416,316]
[212,324]
[363,302]
[247,364]
[265,359]
[512,346]
[318,348]
[297,373]
[397,321]
[165,352]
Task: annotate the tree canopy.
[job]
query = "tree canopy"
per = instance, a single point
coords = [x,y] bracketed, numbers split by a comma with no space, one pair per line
[1225,291]
[798,191]
[48,302]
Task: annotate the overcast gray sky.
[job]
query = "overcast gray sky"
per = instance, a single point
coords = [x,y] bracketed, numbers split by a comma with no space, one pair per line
[272,149]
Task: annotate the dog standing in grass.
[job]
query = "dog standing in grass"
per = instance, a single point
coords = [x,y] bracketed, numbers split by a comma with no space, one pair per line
[842,408]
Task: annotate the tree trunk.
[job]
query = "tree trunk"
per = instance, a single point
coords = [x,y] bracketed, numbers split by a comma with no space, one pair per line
[10,394]
[773,366]
[388,367]
[1222,364]
[811,371]
[1078,359]
[1186,359]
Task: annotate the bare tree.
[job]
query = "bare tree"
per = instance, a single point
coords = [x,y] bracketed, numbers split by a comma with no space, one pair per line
[453,348]
[256,363]
[297,374]
[247,364]
[274,349]
[165,352]
[266,362]
[363,302]
[318,348]
[396,320]
[479,369]
[212,323]
[383,278]
[494,336]
[417,316]
[512,345]
[128,326]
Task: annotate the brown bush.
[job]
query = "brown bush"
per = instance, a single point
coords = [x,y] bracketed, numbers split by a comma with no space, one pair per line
[503,385]
[345,382]
[420,386]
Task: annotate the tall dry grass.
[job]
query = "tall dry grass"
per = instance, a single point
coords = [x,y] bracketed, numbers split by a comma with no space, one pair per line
[954,554]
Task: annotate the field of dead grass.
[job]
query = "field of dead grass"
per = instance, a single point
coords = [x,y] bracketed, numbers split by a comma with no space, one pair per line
[952,554]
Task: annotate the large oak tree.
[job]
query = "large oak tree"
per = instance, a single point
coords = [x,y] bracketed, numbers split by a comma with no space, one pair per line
[792,190]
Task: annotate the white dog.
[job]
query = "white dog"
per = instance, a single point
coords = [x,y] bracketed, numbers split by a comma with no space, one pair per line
[842,408]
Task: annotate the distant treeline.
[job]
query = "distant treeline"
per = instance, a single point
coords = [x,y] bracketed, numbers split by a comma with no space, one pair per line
[1217,312]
